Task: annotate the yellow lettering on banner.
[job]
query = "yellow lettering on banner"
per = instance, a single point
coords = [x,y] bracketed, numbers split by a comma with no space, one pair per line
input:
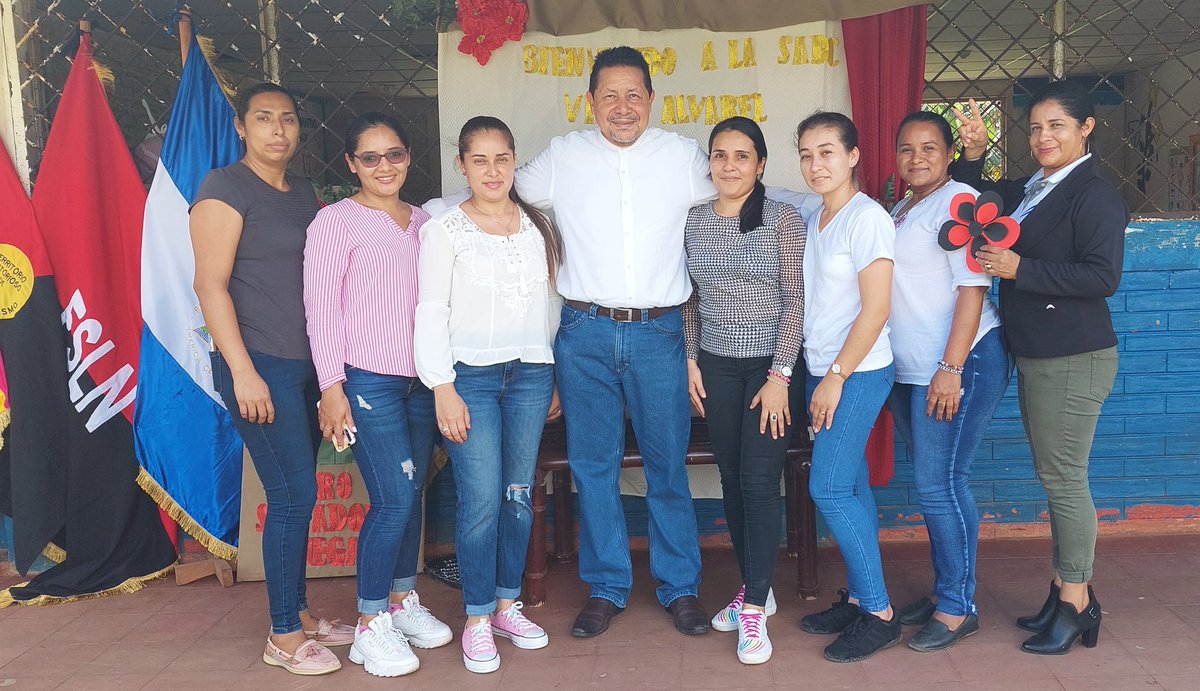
[663,61]
[572,106]
[746,59]
[680,109]
[535,59]
[708,58]
[795,49]
[823,49]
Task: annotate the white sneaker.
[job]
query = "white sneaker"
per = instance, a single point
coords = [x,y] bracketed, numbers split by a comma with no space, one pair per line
[418,624]
[754,647]
[382,650]
[727,619]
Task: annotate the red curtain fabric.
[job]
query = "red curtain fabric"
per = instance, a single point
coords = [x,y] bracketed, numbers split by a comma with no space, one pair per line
[885,59]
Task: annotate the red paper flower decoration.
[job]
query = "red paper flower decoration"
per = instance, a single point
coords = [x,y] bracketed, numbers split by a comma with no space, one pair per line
[977,221]
[487,24]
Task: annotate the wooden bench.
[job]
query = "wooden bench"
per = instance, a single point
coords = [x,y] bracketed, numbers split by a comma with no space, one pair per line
[552,459]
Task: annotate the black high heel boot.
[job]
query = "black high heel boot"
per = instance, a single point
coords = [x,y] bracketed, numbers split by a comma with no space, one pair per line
[1038,622]
[1067,625]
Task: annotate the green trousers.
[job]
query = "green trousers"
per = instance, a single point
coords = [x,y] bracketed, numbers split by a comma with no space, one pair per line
[1060,401]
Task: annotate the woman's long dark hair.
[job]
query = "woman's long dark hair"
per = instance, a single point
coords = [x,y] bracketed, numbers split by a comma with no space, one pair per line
[484,123]
[751,215]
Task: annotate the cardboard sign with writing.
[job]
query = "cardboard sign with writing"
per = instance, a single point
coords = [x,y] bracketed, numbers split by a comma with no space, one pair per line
[333,532]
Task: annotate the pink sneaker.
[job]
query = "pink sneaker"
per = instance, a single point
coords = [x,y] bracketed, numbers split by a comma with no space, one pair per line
[479,648]
[332,633]
[513,625]
[311,659]
[727,619]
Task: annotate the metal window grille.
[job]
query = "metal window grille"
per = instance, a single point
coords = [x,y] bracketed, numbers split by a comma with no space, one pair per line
[1140,58]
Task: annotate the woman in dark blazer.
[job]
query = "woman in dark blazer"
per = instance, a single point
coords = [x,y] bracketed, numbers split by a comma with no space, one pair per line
[1053,285]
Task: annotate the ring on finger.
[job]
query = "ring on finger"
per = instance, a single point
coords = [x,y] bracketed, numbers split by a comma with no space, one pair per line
[774,417]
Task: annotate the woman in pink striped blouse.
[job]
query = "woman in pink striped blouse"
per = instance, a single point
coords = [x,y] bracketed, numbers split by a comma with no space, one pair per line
[360,298]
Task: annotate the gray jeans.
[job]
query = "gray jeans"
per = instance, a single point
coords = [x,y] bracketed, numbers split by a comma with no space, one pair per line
[1060,403]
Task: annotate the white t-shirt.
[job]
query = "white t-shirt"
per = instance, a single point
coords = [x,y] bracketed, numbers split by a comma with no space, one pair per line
[485,299]
[621,212]
[925,286]
[858,234]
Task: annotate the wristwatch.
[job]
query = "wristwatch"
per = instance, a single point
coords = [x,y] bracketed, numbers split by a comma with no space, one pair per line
[837,369]
[786,371]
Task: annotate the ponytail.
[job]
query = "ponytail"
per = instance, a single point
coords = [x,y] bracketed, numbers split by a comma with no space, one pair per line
[751,215]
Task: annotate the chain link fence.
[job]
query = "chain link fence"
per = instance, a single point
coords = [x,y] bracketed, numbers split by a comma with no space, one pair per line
[339,58]
[1140,58]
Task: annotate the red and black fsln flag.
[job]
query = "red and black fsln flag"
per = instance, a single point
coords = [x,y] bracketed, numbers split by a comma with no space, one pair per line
[69,345]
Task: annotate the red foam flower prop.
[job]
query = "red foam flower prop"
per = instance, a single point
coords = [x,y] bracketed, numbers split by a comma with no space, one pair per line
[487,24]
[977,221]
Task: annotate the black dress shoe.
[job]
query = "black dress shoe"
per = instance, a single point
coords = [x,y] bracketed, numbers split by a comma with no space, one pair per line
[917,613]
[937,636]
[593,619]
[689,616]
[833,620]
[1065,626]
[1039,621]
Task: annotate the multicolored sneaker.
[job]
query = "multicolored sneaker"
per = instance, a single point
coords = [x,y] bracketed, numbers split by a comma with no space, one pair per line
[754,647]
[727,619]
[418,624]
[513,625]
[479,648]
[382,650]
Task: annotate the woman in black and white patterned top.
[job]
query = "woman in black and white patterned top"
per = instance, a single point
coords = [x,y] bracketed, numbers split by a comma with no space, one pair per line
[743,325]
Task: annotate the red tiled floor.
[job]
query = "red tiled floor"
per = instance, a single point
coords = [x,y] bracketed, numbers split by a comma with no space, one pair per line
[203,636]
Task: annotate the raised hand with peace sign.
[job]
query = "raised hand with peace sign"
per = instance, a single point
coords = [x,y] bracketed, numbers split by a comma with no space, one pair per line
[972,131]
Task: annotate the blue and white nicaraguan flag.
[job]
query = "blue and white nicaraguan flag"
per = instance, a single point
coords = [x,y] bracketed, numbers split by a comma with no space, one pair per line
[190,453]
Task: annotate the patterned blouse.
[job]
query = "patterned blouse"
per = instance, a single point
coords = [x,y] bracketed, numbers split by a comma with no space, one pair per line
[748,288]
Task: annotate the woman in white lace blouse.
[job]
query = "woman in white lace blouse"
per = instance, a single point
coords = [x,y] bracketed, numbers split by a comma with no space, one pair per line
[485,328]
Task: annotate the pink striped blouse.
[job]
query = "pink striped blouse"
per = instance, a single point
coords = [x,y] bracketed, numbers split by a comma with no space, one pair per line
[360,290]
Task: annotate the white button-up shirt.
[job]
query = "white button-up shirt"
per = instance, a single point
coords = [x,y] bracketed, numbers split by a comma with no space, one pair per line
[1028,204]
[621,212]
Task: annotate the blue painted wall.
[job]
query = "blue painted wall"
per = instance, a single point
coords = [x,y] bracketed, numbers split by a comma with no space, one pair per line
[1146,457]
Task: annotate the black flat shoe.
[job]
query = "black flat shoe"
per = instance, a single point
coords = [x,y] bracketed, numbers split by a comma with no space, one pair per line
[937,636]
[1067,625]
[917,613]
[833,620]
[1039,621]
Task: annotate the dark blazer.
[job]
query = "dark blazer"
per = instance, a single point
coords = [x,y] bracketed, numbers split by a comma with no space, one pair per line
[1071,246]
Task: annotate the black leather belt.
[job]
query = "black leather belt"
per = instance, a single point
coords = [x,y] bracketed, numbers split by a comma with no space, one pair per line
[621,314]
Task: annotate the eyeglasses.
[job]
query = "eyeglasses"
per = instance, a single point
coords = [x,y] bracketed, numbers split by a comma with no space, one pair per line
[372,159]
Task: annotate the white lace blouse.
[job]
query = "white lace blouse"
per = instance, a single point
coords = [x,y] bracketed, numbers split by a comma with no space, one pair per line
[484,299]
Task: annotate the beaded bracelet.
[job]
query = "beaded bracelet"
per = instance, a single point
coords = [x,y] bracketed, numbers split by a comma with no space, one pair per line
[947,367]
[778,377]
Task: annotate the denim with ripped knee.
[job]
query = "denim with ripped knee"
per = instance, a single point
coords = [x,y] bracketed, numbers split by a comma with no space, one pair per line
[493,472]
[396,427]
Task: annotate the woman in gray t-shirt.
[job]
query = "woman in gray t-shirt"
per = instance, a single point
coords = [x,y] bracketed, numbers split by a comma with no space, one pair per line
[248,227]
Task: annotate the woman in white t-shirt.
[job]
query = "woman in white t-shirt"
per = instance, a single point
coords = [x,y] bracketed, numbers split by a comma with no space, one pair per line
[847,296]
[951,371]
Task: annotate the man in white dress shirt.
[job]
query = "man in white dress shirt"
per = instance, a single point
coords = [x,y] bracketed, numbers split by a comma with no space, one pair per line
[620,194]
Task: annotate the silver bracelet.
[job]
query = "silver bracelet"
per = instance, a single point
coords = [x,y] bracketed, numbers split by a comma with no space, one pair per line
[947,367]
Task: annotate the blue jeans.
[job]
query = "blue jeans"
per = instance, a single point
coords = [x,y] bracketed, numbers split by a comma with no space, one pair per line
[942,455]
[396,426]
[285,455]
[839,483]
[605,368]
[493,471]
